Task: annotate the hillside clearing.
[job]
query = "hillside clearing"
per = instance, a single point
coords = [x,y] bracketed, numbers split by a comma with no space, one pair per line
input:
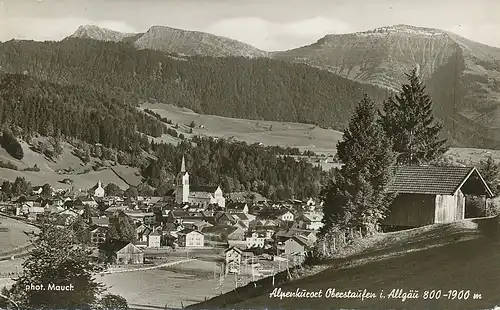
[302,136]
[456,256]
[12,234]
[120,175]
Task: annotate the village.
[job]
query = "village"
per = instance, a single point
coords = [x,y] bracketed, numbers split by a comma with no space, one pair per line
[245,231]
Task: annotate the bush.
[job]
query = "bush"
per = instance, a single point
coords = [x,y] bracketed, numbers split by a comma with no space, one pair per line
[34,168]
[8,165]
[114,302]
[11,145]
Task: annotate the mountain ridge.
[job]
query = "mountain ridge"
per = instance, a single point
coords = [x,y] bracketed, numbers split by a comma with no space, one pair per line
[174,40]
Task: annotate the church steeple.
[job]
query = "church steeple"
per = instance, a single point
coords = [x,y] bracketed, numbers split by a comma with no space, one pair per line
[183,165]
[182,192]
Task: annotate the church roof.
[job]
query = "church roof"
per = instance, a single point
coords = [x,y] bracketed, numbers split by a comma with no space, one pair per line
[204,195]
[206,189]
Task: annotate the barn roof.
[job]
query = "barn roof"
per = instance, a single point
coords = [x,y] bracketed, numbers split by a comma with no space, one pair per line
[435,180]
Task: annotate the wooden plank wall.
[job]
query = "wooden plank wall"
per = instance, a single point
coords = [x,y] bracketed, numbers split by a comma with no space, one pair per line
[412,210]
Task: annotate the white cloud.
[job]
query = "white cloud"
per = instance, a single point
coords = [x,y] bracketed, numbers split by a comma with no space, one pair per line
[487,34]
[273,36]
[42,29]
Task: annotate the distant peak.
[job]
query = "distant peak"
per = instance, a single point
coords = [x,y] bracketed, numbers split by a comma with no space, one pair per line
[89,27]
[99,33]
[403,28]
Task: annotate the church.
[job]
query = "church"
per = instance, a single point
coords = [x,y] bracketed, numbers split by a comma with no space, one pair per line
[202,196]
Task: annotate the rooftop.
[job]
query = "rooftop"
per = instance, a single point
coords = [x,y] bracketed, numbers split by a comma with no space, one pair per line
[437,180]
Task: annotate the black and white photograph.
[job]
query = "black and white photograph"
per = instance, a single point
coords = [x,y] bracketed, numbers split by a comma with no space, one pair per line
[249,154]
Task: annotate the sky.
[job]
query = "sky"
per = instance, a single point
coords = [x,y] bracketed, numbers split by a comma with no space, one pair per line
[266,24]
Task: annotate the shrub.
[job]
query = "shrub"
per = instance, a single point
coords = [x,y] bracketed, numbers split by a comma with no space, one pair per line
[8,165]
[11,145]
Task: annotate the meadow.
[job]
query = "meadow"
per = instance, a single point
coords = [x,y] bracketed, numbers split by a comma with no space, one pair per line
[12,235]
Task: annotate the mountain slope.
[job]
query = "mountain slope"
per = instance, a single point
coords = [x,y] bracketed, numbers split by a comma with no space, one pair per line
[462,76]
[172,40]
[103,34]
[382,56]
[455,256]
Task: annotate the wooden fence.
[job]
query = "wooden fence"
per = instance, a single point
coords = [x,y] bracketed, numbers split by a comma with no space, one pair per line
[250,290]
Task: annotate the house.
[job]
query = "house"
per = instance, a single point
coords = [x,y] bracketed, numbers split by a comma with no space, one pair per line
[111,211]
[286,216]
[198,225]
[237,234]
[244,218]
[233,257]
[154,239]
[98,190]
[224,219]
[283,235]
[190,238]
[121,252]
[430,194]
[255,240]
[142,235]
[98,235]
[149,218]
[297,245]
[85,201]
[241,225]
[100,221]
[66,217]
[240,207]
[312,220]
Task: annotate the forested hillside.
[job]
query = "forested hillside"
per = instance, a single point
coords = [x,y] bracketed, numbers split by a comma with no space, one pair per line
[237,166]
[234,87]
[29,107]
[53,110]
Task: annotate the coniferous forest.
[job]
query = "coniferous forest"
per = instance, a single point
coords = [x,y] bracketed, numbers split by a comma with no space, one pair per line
[238,87]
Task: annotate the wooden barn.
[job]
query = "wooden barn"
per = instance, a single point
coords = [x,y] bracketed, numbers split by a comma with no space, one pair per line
[121,252]
[431,194]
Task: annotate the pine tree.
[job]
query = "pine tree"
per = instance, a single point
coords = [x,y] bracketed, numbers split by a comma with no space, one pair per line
[357,197]
[490,170]
[409,122]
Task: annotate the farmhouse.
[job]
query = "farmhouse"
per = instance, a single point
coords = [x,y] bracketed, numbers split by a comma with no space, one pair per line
[154,239]
[297,245]
[122,252]
[233,257]
[191,238]
[429,194]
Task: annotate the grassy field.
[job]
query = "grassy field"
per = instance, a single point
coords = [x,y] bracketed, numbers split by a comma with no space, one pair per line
[456,256]
[12,234]
[178,286]
[48,170]
[302,136]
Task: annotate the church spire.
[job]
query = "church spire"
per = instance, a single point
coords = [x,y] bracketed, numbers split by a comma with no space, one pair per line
[183,165]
